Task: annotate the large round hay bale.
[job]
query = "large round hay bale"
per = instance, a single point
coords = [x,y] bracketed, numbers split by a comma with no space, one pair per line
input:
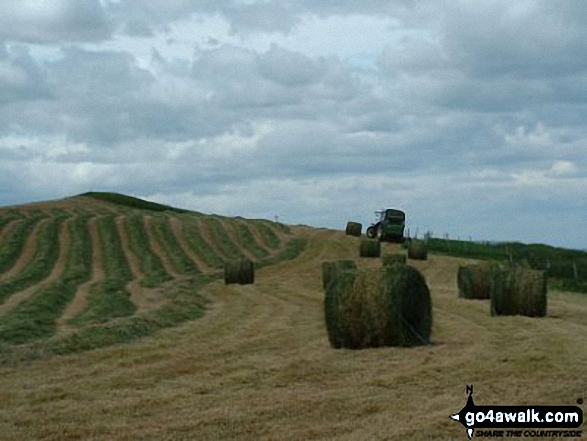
[417,250]
[474,281]
[239,271]
[353,229]
[330,268]
[370,248]
[389,306]
[518,291]
[392,258]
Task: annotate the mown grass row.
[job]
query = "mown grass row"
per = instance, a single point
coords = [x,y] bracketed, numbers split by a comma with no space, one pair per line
[174,252]
[184,304]
[151,266]
[221,239]
[292,249]
[13,243]
[36,317]
[47,251]
[199,246]
[267,234]
[247,241]
[8,214]
[6,217]
[110,298]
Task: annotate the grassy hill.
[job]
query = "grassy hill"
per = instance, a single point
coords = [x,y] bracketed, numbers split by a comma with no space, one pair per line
[104,268]
[256,364]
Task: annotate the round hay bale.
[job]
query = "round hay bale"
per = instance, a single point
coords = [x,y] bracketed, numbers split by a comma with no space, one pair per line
[370,248]
[417,250]
[518,291]
[330,268]
[239,271]
[392,258]
[389,306]
[353,229]
[474,281]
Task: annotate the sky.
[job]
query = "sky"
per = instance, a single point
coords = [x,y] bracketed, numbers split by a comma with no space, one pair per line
[469,116]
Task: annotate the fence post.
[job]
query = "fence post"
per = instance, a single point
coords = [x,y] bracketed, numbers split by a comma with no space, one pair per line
[575,271]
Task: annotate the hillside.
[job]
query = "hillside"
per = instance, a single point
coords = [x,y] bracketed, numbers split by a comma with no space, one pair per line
[101,268]
[257,364]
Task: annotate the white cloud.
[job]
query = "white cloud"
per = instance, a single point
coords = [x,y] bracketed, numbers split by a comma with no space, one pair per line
[465,115]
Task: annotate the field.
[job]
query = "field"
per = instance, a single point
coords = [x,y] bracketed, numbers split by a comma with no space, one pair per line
[176,354]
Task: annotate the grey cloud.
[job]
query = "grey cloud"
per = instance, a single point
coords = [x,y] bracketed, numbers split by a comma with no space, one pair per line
[535,39]
[289,68]
[53,22]
[21,78]
[261,17]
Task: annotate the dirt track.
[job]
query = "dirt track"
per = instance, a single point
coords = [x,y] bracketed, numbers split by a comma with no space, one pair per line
[258,367]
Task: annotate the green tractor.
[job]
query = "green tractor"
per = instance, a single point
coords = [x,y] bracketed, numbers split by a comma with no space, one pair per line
[390,226]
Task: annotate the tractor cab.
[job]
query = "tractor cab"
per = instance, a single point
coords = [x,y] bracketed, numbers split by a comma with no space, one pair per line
[390,226]
[392,216]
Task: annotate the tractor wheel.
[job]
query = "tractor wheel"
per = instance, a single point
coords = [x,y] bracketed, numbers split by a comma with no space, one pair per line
[370,232]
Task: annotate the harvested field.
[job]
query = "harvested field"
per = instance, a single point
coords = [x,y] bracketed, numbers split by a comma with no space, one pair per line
[55,274]
[179,232]
[80,301]
[258,365]
[28,252]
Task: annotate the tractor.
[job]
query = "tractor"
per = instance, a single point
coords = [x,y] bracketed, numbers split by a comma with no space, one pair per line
[390,226]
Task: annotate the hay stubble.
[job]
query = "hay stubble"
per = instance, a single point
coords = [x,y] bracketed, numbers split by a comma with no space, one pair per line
[259,366]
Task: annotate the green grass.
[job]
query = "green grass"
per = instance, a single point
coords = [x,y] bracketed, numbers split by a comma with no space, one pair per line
[132,202]
[43,262]
[199,246]
[538,256]
[14,241]
[267,234]
[223,243]
[58,212]
[154,273]
[7,217]
[247,240]
[185,303]
[293,249]
[35,317]
[78,267]
[180,261]
[110,298]
[8,214]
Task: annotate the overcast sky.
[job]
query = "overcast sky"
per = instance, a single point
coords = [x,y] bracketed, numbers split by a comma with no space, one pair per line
[469,115]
